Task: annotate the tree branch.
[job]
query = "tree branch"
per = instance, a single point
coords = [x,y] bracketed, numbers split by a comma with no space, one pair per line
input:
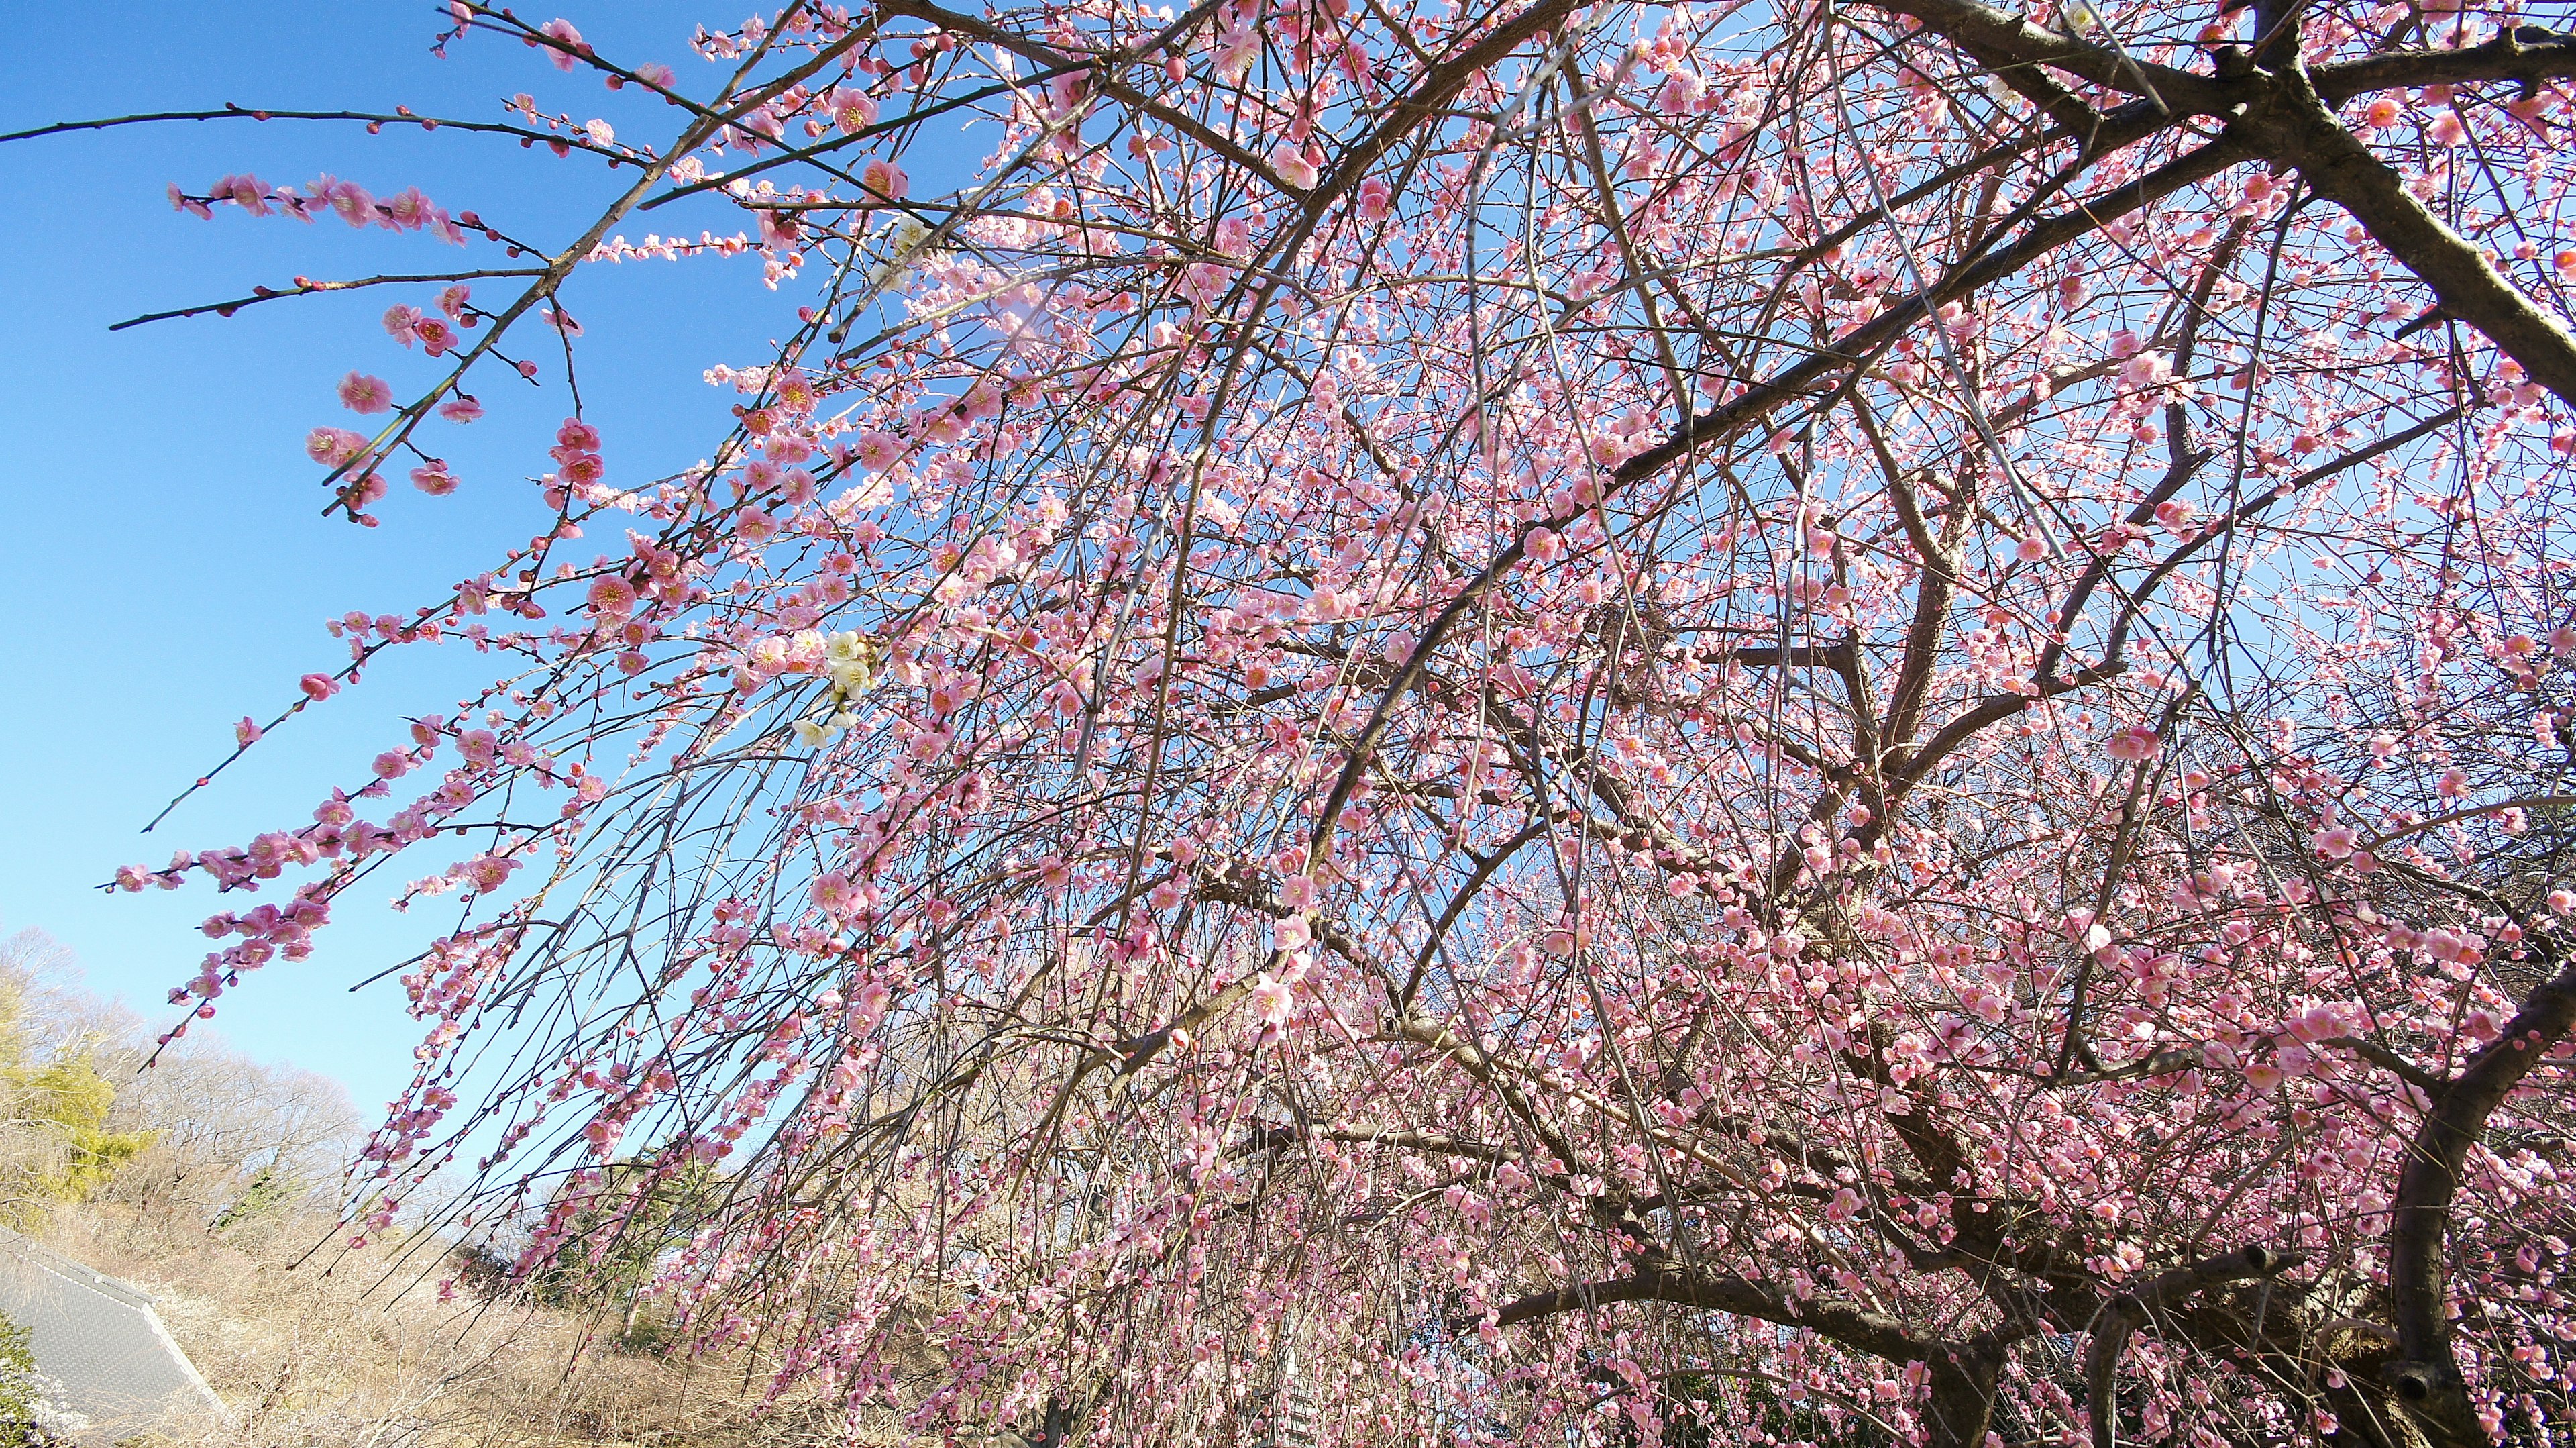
[2427,1376]
[1874,1333]
[2290,124]
[2124,1315]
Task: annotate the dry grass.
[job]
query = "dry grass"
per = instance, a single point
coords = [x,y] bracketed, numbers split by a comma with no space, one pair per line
[309,1344]
[355,1348]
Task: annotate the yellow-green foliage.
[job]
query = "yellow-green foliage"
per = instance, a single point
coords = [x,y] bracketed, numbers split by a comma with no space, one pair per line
[57,1107]
[68,1096]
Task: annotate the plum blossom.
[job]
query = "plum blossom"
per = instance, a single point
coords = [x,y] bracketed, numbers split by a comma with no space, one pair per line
[884,180]
[362,394]
[877,451]
[611,597]
[334,446]
[1057,644]
[346,199]
[568,45]
[1276,998]
[2137,742]
[852,110]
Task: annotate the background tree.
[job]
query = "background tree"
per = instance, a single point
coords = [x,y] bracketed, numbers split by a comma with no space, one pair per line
[59,1140]
[231,1140]
[1482,704]
[204,1135]
[616,1238]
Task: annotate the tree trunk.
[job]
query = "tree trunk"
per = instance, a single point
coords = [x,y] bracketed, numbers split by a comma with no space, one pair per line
[1963,1396]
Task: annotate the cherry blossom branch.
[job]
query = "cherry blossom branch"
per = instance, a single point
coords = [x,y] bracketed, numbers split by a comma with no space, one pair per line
[2290,124]
[2125,1314]
[2427,1375]
[304,286]
[373,120]
[1872,1332]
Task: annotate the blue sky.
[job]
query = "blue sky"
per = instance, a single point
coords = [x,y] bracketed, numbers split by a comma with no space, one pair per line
[164,568]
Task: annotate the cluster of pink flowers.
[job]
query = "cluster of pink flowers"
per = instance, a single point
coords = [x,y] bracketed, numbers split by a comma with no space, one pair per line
[405,210]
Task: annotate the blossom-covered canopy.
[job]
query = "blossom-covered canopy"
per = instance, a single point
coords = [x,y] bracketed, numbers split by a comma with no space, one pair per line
[1798,720]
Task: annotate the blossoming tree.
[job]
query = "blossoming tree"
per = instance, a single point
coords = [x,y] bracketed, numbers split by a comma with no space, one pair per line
[1831,720]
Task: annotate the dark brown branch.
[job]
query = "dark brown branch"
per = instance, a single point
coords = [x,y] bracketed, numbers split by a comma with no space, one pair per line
[2124,1315]
[2503,58]
[2290,124]
[575,139]
[2427,1376]
[304,288]
[1875,1333]
[1912,767]
[2006,44]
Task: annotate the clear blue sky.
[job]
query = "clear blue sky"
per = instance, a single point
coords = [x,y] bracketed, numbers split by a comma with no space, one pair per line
[166,567]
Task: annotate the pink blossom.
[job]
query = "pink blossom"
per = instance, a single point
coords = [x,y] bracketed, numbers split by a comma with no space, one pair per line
[406,210]
[436,337]
[246,732]
[835,894]
[361,393]
[247,192]
[2135,743]
[490,872]
[611,596]
[568,39]
[884,180]
[460,408]
[851,109]
[877,451]
[334,446]
[1276,998]
[347,199]
[1293,167]
[434,479]
[319,686]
